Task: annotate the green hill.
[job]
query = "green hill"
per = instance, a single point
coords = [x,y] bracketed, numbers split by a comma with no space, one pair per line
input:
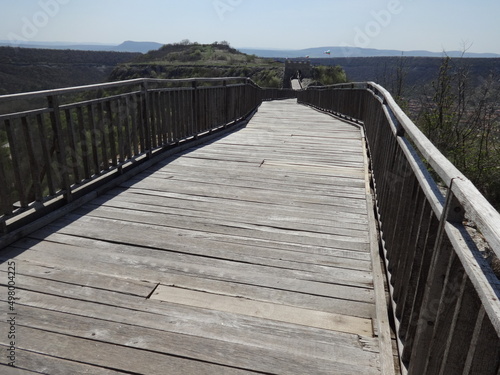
[187,60]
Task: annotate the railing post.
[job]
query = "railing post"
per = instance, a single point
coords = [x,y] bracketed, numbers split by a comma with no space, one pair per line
[225,114]
[34,170]
[15,157]
[55,117]
[194,110]
[5,201]
[146,118]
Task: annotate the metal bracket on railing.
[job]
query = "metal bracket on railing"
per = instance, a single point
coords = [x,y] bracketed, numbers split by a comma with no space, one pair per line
[400,131]
[453,212]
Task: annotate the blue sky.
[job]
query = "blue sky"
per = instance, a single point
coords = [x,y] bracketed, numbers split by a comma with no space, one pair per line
[434,25]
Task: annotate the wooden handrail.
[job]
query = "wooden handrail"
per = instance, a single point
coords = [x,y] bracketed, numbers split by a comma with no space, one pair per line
[84,135]
[445,294]
[119,84]
[477,207]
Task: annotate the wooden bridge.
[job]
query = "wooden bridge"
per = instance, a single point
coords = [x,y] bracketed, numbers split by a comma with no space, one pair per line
[205,227]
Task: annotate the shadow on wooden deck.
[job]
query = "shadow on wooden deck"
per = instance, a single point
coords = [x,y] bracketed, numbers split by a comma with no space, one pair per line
[256,253]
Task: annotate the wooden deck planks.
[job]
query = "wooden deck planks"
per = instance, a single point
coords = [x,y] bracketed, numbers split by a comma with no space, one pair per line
[251,254]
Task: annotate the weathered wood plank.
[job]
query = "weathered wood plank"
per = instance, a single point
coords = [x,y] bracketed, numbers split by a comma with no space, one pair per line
[316,262]
[150,265]
[85,278]
[10,370]
[259,214]
[30,363]
[267,181]
[265,310]
[236,227]
[270,180]
[212,257]
[209,324]
[75,225]
[258,247]
[268,209]
[110,356]
[195,348]
[250,194]
[276,296]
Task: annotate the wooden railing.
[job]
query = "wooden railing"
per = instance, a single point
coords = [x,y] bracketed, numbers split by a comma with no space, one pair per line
[445,294]
[73,139]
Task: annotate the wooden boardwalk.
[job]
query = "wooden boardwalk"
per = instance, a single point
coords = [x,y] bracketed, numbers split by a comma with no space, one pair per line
[256,253]
[296,84]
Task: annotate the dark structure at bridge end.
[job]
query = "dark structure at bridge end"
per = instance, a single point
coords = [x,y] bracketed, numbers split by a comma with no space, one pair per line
[295,69]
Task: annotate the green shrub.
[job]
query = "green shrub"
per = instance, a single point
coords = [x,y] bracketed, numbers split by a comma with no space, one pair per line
[329,75]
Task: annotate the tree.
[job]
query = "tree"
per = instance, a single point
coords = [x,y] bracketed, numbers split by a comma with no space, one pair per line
[398,84]
[329,75]
[464,123]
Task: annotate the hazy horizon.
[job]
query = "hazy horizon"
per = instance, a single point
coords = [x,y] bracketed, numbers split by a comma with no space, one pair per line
[403,25]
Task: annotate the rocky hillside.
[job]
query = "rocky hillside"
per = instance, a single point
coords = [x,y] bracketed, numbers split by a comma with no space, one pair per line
[186,60]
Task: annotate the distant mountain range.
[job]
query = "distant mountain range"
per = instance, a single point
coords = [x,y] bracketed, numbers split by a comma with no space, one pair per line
[128,46]
[325,52]
[320,52]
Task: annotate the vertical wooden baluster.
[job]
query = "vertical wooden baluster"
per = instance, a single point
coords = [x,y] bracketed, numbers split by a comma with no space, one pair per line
[140,122]
[484,348]
[169,119]
[413,265]
[36,184]
[195,130]
[163,122]
[434,287]
[449,302]
[72,145]
[103,136]
[227,103]
[182,113]
[179,114]
[212,104]
[84,143]
[61,146]
[16,164]
[173,124]
[135,122]
[5,190]
[205,123]
[47,160]
[462,329]
[171,108]
[94,137]
[187,113]
[126,118]
[146,119]
[120,125]
[154,117]
[430,235]
[159,119]
[111,130]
